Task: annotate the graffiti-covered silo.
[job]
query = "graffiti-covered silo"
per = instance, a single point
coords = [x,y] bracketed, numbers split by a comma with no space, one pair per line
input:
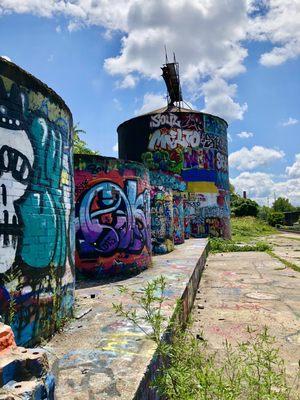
[36,206]
[188,145]
[112,216]
[162,226]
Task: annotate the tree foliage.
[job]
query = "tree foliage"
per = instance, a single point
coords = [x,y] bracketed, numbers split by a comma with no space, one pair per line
[241,207]
[264,213]
[276,218]
[282,205]
[80,146]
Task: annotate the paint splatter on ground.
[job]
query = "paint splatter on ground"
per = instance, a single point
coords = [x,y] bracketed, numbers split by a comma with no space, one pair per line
[99,356]
[250,289]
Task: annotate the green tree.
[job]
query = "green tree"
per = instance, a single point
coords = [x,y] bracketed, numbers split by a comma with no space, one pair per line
[264,212]
[231,188]
[80,146]
[276,218]
[241,207]
[282,205]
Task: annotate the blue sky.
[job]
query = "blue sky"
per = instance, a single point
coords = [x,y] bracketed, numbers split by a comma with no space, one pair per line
[239,60]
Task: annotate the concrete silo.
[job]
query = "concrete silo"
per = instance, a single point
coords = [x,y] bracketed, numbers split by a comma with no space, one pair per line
[112,216]
[186,151]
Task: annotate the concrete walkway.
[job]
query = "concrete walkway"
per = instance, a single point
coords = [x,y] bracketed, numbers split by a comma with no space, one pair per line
[286,246]
[249,289]
[99,356]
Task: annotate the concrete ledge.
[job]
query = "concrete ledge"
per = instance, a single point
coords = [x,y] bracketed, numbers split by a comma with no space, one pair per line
[101,356]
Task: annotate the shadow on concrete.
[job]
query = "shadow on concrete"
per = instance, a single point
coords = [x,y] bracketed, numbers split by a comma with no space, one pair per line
[83,282]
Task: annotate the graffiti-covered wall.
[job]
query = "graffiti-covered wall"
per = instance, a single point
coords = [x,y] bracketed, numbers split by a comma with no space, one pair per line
[162,226]
[190,145]
[112,216]
[36,206]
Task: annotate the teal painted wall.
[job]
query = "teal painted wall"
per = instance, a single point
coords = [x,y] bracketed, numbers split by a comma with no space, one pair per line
[36,206]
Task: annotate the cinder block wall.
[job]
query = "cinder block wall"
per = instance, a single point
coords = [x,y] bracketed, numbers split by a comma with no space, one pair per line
[36,206]
[112,216]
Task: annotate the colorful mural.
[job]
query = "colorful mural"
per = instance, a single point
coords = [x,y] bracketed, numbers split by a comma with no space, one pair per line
[187,215]
[162,222]
[190,145]
[178,212]
[112,216]
[36,206]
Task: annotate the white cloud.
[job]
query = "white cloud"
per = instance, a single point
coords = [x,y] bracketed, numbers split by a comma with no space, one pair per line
[219,23]
[128,82]
[58,29]
[261,186]
[256,184]
[151,102]
[75,25]
[294,170]
[208,37]
[248,159]
[115,148]
[117,104]
[245,135]
[219,97]
[6,58]
[280,26]
[290,121]
[110,14]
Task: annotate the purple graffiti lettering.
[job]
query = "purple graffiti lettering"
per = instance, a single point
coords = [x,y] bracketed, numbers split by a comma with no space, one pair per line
[113,219]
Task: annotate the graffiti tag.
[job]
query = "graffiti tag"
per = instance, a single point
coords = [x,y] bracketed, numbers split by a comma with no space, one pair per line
[111,219]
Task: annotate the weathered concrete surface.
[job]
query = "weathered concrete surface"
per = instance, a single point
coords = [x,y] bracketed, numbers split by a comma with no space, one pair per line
[99,356]
[287,246]
[24,373]
[249,289]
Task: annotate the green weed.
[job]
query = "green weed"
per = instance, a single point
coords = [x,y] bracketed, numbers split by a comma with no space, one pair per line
[12,311]
[284,261]
[245,229]
[217,245]
[189,370]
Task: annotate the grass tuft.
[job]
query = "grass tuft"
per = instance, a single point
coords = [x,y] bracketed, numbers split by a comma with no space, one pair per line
[284,261]
[245,229]
[218,245]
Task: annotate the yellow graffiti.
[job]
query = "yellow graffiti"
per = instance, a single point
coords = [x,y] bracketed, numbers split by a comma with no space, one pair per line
[121,343]
[202,187]
[64,179]
[169,244]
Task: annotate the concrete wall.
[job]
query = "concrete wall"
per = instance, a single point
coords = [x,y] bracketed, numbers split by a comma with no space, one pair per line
[190,145]
[36,206]
[112,216]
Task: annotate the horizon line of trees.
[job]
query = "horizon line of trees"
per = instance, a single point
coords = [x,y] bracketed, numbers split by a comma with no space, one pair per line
[274,215]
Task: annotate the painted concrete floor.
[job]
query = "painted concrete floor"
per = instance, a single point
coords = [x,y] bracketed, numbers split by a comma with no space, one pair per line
[99,356]
[251,289]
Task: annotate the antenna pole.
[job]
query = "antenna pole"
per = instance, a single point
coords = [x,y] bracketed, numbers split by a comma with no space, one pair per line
[166,54]
[172,80]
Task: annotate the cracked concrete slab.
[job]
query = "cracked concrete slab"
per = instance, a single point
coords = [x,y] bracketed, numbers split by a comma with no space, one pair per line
[250,289]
